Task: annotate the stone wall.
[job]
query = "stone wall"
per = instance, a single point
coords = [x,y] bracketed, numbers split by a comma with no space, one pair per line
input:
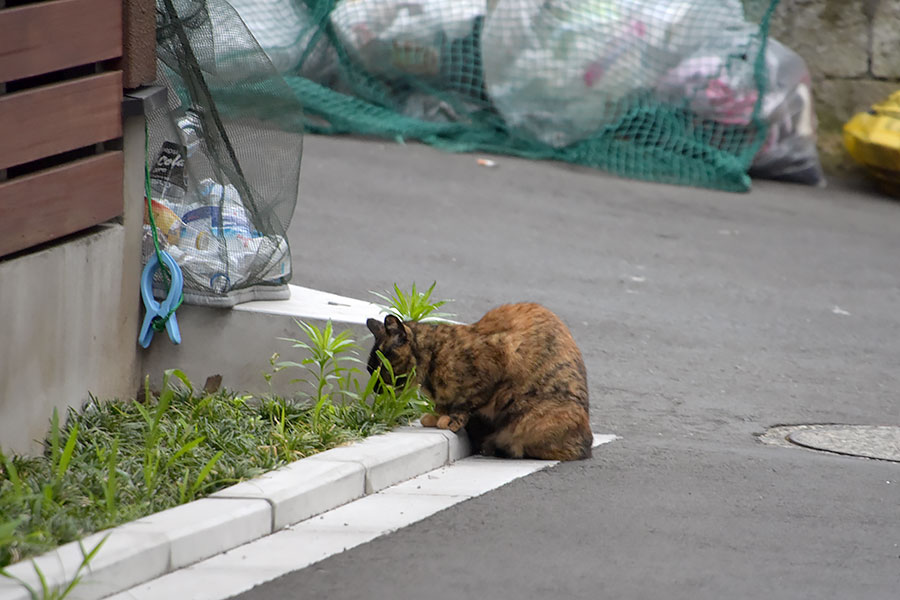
[852,48]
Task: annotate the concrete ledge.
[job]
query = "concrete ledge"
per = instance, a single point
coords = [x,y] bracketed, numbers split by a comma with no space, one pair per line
[205,527]
[127,557]
[237,342]
[458,443]
[166,541]
[394,457]
[302,489]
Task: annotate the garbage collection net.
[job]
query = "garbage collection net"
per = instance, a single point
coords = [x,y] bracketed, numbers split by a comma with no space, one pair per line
[663,90]
[223,178]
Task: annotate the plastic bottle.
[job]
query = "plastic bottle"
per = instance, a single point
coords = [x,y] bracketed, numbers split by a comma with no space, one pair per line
[190,132]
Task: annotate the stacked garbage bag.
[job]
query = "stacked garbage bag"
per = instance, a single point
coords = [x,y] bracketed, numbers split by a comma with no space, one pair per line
[683,91]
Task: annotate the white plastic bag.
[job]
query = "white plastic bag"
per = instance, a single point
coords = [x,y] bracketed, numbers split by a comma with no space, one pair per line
[282,29]
[559,70]
[401,37]
[714,84]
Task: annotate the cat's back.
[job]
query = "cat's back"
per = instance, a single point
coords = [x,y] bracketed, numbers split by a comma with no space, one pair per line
[529,331]
[518,319]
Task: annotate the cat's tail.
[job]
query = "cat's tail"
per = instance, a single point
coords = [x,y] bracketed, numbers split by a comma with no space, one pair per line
[563,433]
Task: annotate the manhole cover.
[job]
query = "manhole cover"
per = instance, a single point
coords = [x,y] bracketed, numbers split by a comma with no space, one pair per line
[881,442]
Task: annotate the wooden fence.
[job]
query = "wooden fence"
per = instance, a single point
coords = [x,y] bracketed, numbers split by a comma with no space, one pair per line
[61,166]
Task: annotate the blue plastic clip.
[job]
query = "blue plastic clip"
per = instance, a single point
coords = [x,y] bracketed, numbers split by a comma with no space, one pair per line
[162,309]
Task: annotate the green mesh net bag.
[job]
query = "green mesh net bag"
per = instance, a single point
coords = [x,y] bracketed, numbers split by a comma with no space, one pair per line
[224,174]
[677,91]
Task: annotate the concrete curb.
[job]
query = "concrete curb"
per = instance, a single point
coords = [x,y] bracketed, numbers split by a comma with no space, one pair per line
[150,547]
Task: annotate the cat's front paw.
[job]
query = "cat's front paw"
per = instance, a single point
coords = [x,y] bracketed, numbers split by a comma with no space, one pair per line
[452,422]
[428,420]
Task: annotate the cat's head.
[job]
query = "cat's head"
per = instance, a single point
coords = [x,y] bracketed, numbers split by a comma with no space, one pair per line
[394,339]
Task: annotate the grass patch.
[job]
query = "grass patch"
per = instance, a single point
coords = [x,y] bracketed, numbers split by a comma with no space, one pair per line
[116,461]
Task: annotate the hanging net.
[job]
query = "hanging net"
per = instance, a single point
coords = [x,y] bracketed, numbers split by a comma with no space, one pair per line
[223,177]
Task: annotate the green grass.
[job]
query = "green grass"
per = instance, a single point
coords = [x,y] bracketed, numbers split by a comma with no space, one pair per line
[116,461]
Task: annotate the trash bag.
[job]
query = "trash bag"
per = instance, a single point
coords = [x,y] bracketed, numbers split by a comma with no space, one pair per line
[392,38]
[789,152]
[610,84]
[284,30]
[562,69]
[224,179]
[717,83]
[419,58]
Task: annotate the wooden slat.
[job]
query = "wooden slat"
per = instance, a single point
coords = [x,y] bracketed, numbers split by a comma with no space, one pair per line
[49,204]
[48,36]
[56,118]
[138,43]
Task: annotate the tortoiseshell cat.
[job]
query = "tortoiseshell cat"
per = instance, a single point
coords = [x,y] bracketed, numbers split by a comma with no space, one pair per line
[515,379]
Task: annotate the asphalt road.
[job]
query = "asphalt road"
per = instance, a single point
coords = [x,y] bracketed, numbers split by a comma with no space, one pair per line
[704,318]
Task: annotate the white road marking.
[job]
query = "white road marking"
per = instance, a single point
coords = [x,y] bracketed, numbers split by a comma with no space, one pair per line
[310,541]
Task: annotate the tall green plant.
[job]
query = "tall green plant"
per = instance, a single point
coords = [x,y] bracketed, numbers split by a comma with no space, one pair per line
[325,367]
[385,401]
[415,305]
[399,397]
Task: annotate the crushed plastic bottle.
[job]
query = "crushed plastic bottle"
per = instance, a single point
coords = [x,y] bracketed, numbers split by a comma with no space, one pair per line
[190,132]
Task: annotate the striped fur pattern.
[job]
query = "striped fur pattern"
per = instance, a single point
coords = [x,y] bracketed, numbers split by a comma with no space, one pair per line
[515,379]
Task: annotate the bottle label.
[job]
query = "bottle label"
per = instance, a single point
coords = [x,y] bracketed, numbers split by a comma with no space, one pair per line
[167,178]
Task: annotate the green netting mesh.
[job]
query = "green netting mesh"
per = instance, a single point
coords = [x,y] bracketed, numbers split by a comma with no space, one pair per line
[664,90]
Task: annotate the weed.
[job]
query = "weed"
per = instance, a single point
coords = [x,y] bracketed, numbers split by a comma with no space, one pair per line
[414,306]
[49,592]
[329,354]
[399,398]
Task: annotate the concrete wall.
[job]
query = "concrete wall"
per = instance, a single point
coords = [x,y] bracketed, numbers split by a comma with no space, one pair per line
[69,317]
[237,343]
[852,48]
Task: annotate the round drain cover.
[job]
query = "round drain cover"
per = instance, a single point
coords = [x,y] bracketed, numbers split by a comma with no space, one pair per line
[881,442]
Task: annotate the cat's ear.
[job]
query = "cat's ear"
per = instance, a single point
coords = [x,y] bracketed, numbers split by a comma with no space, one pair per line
[394,327]
[376,328]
